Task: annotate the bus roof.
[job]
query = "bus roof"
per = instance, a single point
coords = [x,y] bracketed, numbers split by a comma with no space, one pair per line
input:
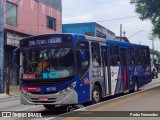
[82,37]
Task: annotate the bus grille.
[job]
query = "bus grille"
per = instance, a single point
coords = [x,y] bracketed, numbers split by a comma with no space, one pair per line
[50,100]
[44,93]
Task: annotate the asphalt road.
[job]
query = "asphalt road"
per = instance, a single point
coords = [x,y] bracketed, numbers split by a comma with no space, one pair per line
[148,99]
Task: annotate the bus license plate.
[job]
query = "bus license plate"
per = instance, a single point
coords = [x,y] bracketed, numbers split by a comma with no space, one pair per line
[43,99]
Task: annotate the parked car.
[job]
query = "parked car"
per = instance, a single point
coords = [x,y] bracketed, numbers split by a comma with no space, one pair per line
[154,73]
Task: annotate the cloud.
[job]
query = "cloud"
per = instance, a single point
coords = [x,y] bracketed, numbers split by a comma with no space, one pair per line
[77,18]
[77,11]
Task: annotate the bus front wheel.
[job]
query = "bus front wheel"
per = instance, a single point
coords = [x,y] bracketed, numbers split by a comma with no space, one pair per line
[49,107]
[96,95]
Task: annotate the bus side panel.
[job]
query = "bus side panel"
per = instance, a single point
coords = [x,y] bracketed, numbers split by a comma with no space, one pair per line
[132,75]
[122,80]
[83,89]
[119,85]
[140,72]
[115,82]
[147,75]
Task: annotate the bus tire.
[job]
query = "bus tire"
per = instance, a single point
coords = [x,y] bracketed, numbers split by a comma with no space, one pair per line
[135,86]
[49,107]
[96,95]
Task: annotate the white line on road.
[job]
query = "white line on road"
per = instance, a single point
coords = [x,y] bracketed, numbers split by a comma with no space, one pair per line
[9,98]
[30,108]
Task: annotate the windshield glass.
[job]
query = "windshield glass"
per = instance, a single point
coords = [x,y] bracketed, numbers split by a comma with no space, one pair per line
[49,63]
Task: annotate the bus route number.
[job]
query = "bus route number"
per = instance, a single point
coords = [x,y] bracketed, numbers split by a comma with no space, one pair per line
[50,89]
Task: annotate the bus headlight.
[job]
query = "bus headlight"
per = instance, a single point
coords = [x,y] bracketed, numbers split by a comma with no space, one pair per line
[68,89]
[26,93]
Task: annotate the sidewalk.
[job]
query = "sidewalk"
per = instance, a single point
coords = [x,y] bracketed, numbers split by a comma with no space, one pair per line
[13,92]
[3,96]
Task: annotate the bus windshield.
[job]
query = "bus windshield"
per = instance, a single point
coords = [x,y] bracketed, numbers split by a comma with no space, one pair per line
[48,63]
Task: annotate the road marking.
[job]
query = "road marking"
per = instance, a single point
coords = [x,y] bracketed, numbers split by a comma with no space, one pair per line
[30,108]
[50,118]
[8,98]
[119,97]
[142,93]
[122,101]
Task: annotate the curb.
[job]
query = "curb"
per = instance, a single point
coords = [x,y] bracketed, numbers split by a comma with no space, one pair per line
[5,96]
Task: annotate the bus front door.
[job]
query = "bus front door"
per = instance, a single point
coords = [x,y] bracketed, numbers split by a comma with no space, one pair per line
[107,82]
[124,70]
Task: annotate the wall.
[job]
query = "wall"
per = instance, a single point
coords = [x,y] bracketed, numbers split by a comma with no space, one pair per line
[105,32]
[79,28]
[92,29]
[32,18]
[1,48]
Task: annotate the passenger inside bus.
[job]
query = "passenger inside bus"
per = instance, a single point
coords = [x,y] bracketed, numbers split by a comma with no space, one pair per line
[95,61]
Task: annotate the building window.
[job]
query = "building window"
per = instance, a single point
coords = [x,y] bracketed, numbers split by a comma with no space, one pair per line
[51,23]
[11,14]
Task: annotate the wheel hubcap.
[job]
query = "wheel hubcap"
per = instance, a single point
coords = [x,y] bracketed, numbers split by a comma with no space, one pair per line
[135,88]
[96,96]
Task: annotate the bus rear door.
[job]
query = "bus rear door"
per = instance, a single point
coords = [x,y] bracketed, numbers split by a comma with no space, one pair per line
[105,63]
[124,70]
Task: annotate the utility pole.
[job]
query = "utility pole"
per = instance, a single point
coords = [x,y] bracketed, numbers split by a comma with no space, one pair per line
[120,32]
[152,37]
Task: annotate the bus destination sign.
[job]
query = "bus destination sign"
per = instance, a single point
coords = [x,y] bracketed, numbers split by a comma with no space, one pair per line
[45,42]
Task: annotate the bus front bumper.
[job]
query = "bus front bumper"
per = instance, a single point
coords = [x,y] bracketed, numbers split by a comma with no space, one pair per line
[55,99]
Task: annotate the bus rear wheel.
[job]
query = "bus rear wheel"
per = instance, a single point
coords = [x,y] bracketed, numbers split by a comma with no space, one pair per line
[49,107]
[96,95]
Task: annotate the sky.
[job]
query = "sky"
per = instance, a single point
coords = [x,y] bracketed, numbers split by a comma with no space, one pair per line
[100,11]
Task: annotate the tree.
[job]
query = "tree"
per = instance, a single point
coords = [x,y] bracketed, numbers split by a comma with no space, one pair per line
[149,9]
[157,53]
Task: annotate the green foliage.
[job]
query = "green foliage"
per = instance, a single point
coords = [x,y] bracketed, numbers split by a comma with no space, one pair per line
[157,53]
[149,9]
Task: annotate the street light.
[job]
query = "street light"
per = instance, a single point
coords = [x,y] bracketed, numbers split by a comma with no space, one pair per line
[152,37]
[136,33]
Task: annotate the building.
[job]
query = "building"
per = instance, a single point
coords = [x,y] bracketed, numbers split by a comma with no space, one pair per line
[91,29]
[123,39]
[24,18]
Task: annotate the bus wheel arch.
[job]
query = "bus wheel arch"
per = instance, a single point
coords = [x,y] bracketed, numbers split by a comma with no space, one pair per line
[96,93]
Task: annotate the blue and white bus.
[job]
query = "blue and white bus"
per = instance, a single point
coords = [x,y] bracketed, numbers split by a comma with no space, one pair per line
[63,69]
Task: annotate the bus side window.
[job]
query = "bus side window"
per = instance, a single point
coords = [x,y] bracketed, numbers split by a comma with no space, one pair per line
[96,59]
[131,55]
[142,56]
[137,55]
[83,57]
[115,57]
